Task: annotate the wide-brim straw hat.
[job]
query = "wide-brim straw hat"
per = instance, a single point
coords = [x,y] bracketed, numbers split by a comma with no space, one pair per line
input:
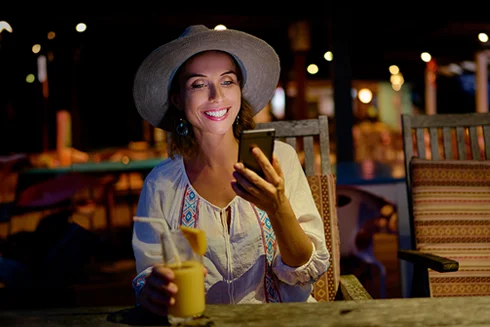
[258,62]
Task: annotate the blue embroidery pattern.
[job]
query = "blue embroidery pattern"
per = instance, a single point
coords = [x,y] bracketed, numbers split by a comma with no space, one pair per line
[138,284]
[189,208]
[269,241]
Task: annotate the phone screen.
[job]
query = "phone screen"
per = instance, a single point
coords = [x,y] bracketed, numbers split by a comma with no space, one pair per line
[262,138]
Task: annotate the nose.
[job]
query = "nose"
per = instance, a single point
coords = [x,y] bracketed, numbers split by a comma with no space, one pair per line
[215,93]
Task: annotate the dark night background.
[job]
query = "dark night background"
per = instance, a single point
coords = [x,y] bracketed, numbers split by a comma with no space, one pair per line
[91,73]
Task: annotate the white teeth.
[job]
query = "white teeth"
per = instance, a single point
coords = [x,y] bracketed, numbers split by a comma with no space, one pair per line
[217,113]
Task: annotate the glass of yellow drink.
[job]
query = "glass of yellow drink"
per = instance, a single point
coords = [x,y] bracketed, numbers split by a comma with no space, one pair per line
[187,265]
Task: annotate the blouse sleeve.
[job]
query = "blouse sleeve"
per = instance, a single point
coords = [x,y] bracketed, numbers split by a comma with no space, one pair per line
[303,204]
[146,241]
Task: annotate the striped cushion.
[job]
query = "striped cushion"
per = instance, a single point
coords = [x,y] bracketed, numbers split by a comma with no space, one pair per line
[324,194]
[451,210]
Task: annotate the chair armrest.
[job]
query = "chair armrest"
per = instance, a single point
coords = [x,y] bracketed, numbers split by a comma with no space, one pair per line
[352,289]
[432,261]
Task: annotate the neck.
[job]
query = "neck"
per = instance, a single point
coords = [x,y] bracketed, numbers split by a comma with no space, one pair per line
[215,152]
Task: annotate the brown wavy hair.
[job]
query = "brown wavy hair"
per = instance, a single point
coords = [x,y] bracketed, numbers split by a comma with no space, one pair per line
[187,145]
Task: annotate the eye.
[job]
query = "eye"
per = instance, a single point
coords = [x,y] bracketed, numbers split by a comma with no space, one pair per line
[198,85]
[228,83]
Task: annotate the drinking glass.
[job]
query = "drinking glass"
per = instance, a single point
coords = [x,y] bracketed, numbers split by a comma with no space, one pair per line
[189,277]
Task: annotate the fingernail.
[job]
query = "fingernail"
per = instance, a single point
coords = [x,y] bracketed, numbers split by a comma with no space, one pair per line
[173,288]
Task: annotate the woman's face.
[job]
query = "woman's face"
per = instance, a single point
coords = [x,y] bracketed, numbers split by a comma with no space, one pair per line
[210,93]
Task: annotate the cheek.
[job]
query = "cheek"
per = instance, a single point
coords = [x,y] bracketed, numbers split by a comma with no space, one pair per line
[237,95]
[192,102]
[189,100]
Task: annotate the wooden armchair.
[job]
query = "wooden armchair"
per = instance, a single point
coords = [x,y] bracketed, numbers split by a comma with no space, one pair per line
[301,134]
[448,187]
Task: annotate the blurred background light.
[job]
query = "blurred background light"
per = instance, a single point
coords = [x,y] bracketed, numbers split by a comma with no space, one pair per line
[394,69]
[278,103]
[365,95]
[425,56]
[30,78]
[312,69]
[328,56]
[81,27]
[5,26]
[36,48]
[483,37]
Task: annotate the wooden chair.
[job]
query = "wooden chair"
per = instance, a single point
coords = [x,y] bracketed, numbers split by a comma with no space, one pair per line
[448,187]
[330,286]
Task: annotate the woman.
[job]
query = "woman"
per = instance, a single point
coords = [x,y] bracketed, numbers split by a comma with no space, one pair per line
[205,87]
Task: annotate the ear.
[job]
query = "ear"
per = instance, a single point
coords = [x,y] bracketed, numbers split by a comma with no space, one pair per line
[175,99]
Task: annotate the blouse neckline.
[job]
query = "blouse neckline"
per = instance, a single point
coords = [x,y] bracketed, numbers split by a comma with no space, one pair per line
[188,182]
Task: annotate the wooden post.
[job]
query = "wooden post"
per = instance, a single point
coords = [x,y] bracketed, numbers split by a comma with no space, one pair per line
[481,80]
[431,88]
[42,73]
[299,34]
[342,84]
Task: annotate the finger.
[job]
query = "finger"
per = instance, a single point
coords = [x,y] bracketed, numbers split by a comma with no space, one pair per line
[277,166]
[159,283]
[161,279]
[162,297]
[247,173]
[159,286]
[241,192]
[279,176]
[264,163]
[244,175]
[246,185]
[163,272]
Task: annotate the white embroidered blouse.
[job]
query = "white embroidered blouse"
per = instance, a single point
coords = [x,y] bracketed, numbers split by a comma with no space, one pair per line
[243,262]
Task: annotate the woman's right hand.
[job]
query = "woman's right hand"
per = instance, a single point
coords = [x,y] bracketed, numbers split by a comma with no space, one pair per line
[157,293]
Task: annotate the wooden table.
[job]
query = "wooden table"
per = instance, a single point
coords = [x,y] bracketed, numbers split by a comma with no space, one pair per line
[462,311]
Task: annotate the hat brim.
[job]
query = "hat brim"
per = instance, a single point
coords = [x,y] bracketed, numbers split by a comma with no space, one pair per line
[258,62]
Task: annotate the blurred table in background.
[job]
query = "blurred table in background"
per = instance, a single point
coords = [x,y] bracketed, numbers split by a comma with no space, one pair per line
[126,168]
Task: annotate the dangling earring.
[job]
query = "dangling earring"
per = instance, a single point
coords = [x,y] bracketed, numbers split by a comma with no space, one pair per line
[237,120]
[182,129]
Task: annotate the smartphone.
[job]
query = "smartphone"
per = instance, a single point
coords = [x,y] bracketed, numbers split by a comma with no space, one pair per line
[262,138]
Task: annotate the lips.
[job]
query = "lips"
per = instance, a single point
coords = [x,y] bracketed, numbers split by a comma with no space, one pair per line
[216,114]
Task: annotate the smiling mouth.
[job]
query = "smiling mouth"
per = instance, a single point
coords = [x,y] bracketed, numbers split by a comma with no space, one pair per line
[216,113]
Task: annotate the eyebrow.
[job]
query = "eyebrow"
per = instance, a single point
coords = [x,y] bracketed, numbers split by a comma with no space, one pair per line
[191,75]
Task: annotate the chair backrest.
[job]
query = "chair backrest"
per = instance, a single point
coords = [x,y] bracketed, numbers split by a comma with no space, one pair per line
[447,165]
[323,189]
[304,135]
[446,137]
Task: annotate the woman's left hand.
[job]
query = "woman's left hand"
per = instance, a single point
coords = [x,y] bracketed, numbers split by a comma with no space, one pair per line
[266,193]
